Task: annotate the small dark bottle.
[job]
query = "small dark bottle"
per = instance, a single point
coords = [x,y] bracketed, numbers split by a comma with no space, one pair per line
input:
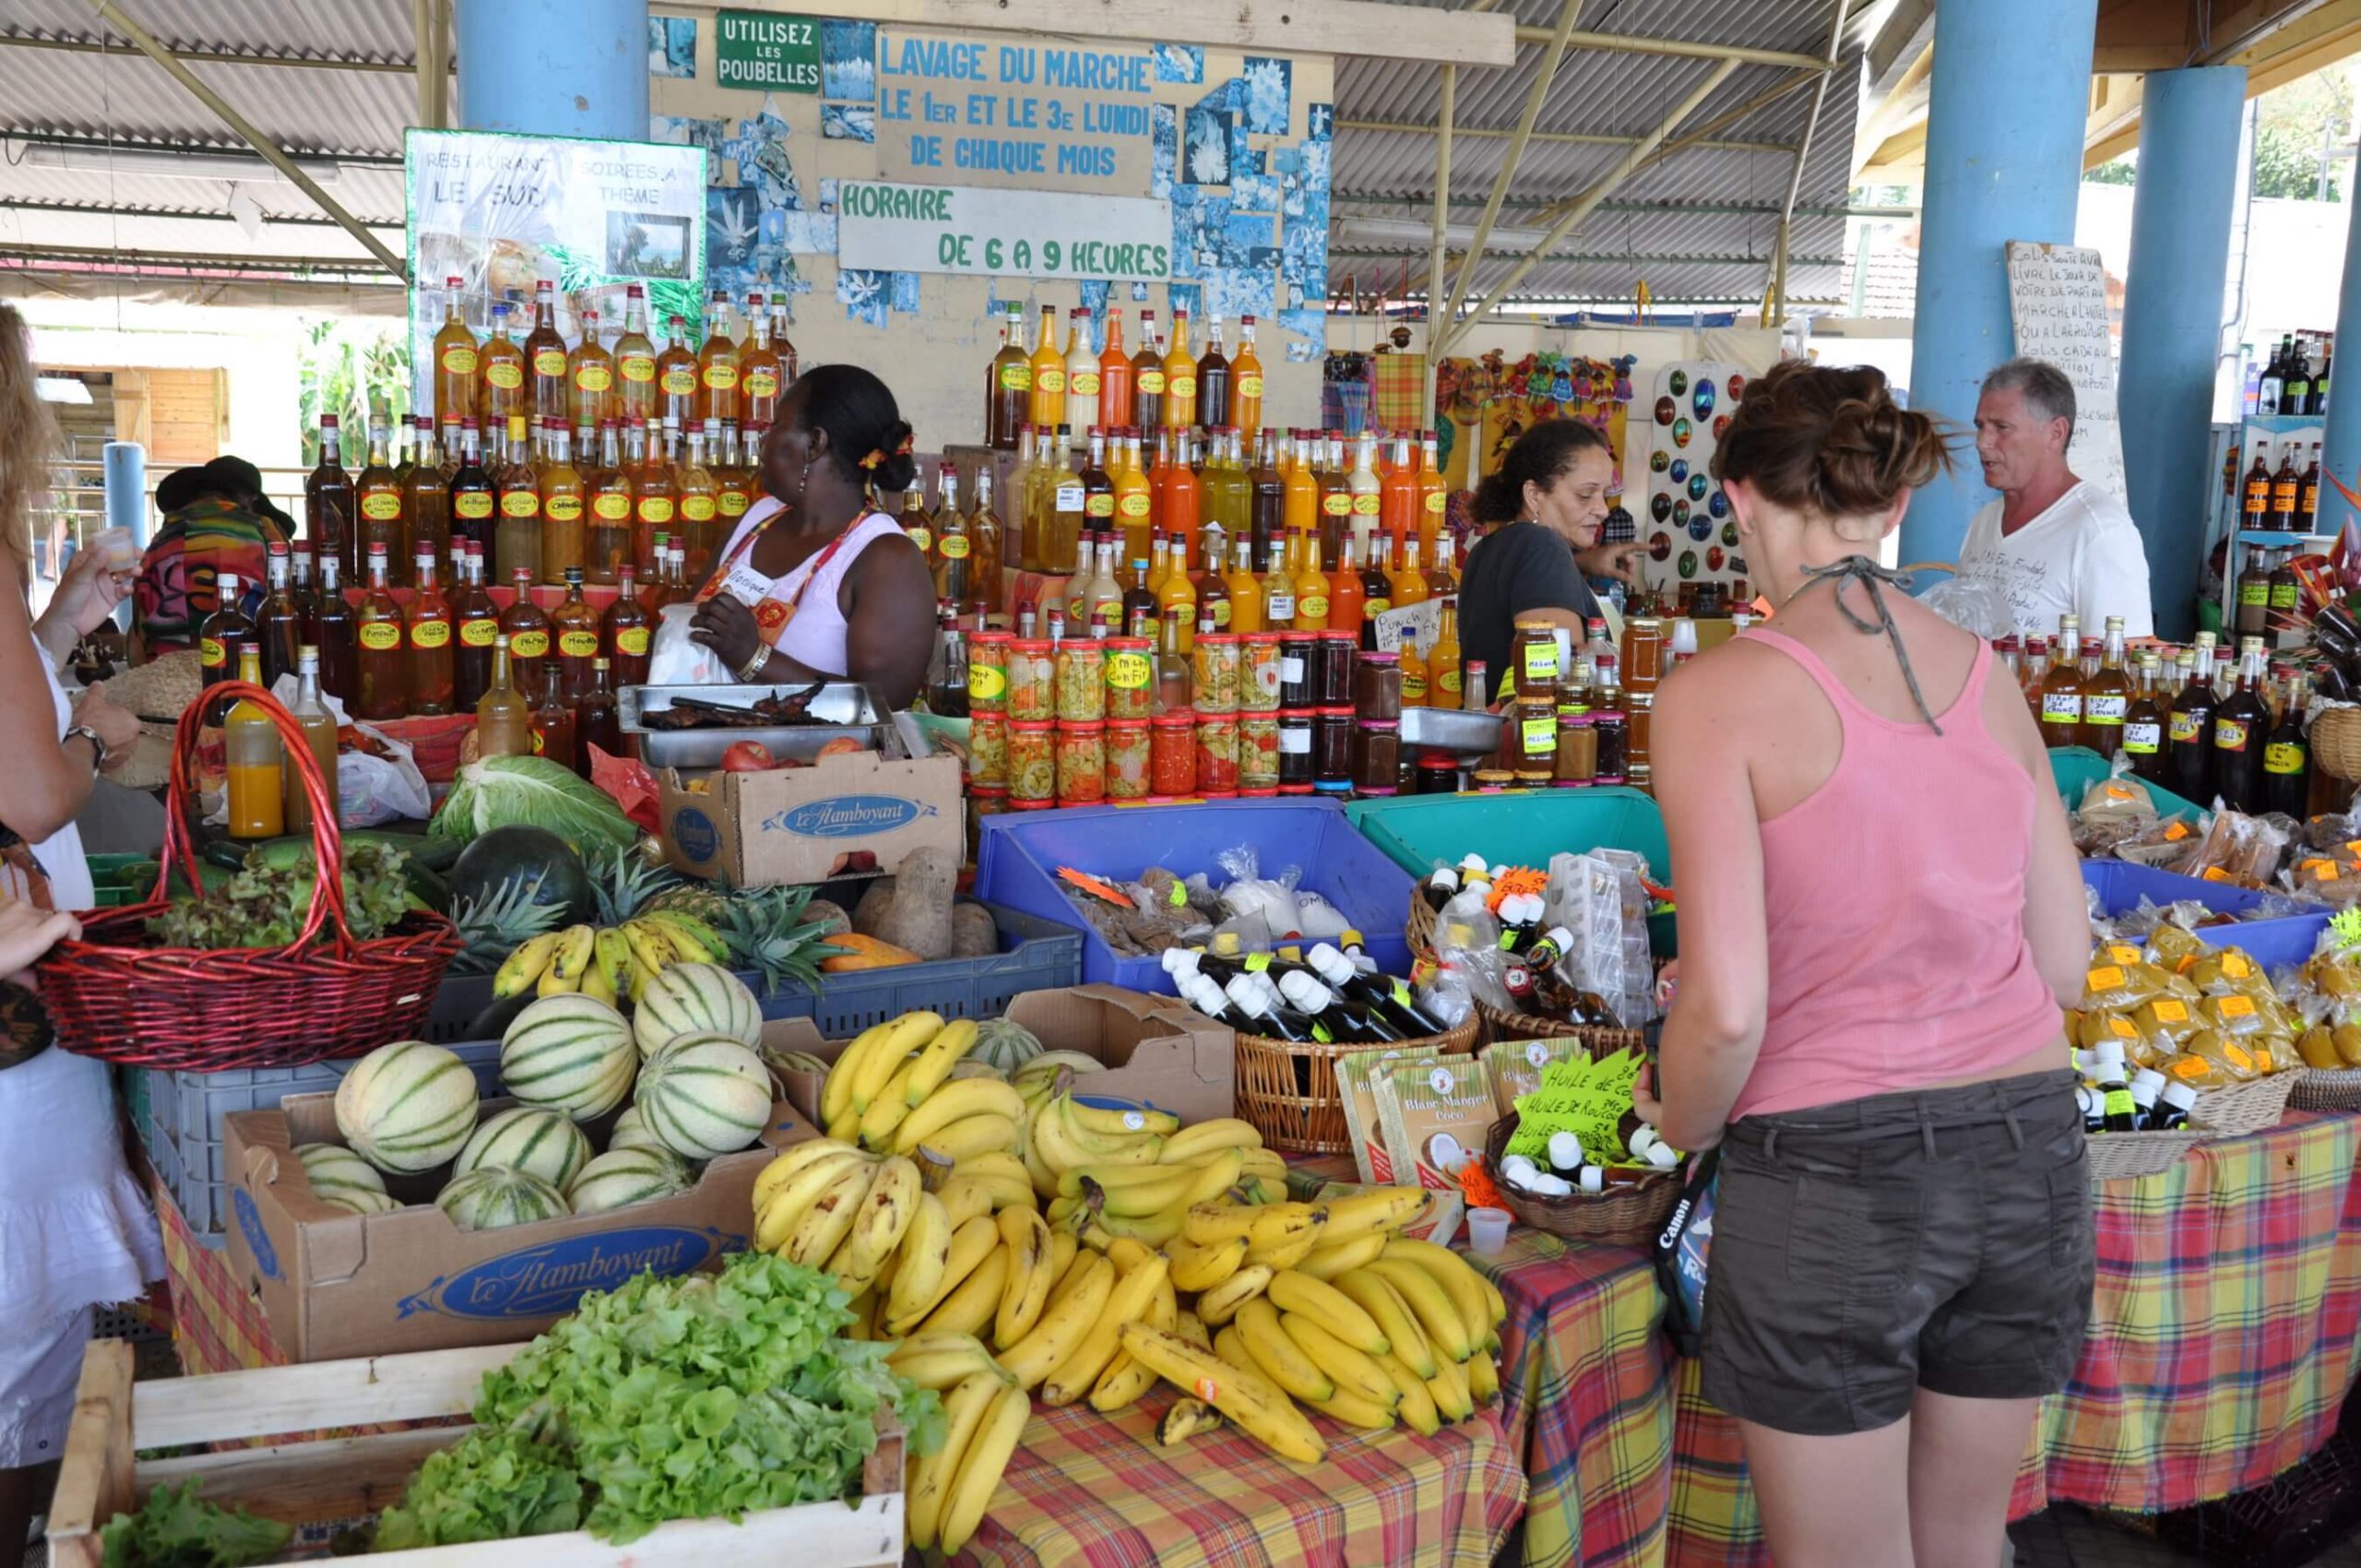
[224,632]
[334,630]
[553,719]
[596,721]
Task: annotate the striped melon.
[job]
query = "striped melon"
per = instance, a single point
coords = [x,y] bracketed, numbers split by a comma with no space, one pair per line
[335,1171]
[704,1095]
[631,1132]
[568,1052]
[407,1106]
[539,1143]
[362,1200]
[488,1198]
[627,1176]
[1004,1045]
[695,999]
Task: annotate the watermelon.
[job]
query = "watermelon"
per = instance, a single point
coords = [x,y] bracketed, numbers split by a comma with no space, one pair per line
[532,863]
[539,1143]
[704,1095]
[631,1132]
[362,1200]
[695,999]
[489,1198]
[407,1106]
[568,1052]
[1004,1045]
[335,1172]
[622,1177]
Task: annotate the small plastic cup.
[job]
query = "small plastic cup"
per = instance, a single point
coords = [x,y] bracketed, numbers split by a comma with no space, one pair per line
[1488,1230]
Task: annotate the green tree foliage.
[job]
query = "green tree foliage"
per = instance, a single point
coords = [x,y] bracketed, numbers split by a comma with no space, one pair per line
[358,369]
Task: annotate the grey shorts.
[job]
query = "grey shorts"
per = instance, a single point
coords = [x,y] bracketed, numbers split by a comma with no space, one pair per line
[1865,1250]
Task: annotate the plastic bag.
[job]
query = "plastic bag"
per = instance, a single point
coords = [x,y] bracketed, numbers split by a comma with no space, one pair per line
[630,783]
[674,660]
[1972,605]
[369,790]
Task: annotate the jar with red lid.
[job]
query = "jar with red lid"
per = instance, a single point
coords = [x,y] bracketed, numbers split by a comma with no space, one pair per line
[1216,661]
[1128,750]
[1173,753]
[1216,752]
[1258,751]
[1377,757]
[1082,764]
[1032,680]
[1436,775]
[1377,686]
[1131,678]
[988,672]
[983,801]
[1332,684]
[1260,676]
[1296,652]
[1032,761]
[988,749]
[1081,676]
[1295,749]
[1332,747]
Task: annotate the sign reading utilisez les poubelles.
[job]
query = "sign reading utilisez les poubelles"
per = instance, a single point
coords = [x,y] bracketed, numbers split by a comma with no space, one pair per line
[1001,234]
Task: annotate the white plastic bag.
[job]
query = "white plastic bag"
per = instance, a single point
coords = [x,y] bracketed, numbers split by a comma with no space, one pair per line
[369,790]
[676,661]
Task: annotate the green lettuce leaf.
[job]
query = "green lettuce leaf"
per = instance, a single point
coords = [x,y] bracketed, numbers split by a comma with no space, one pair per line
[179,1530]
[503,791]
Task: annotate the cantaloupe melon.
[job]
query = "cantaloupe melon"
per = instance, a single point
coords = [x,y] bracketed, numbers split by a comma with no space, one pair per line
[488,1198]
[407,1106]
[335,1171]
[537,1142]
[631,1132]
[362,1200]
[622,1177]
[570,1053]
[1004,1045]
[695,999]
[704,1095]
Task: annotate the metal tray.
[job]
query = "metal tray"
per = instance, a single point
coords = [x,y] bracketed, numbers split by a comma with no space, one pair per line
[842,707]
[1452,729]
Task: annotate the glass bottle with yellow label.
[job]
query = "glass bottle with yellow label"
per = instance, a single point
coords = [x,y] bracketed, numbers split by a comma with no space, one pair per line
[655,494]
[917,526]
[590,378]
[467,503]
[562,507]
[1312,601]
[256,760]
[1132,505]
[762,370]
[1416,679]
[2061,690]
[1336,504]
[1176,594]
[676,377]
[1048,394]
[1433,495]
[475,621]
[719,395]
[700,509]
[2106,696]
[953,552]
[425,503]
[224,632]
[1082,373]
[1008,385]
[574,637]
[1246,380]
[502,370]
[427,632]
[383,660]
[635,357]
[1278,590]
[986,540]
[1179,377]
[1300,503]
[1062,493]
[526,626]
[380,493]
[1444,681]
[516,534]
[1147,377]
[610,494]
[504,719]
[1245,589]
[1367,487]
[457,356]
[625,631]
[545,358]
[2287,758]
[318,725]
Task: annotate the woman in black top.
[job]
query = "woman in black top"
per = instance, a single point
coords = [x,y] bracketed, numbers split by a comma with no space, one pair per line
[1549,499]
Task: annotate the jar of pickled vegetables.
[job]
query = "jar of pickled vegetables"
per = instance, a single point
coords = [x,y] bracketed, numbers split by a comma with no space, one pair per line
[1032,675]
[1259,672]
[1217,751]
[1081,763]
[988,672]
[1258,751]
[1217,659]
[1128,759]
[1081,680]
[988,749]
[1172,754]
[1131,678]
[1032,761]
[983,801]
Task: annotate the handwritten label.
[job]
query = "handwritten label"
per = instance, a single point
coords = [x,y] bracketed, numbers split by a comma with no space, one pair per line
[2057,302]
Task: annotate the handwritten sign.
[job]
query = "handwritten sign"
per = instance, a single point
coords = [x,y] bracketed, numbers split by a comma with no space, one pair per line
[2057,301]
[755,49]
[999,233]
[1067,116]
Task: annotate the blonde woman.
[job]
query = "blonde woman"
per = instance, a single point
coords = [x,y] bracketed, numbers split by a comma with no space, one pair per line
[75,1229]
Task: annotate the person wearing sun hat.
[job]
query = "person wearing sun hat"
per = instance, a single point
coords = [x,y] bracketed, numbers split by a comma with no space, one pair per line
[217,520]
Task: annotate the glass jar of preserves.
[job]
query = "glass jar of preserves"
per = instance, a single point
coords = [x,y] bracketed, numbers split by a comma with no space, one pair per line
[1614,745]
[1131,678]
[1082,680]
[1532,660]
[1577,748]
[1530,744]
[1216,660]
[1377,757]
[1642,654]
[1032,681]
[988,750]
[1081,763]
[1258,751]
[1260,675]
[1332,685]
[1216,753]
[1032,761]
[1332,747]
[1377,686]
[1642,778]
[1639,714]
[988,672]
[1128,750]
[1493,781]
[1172,754]
[1295,750]
[1295,655]
[1436,775]
[983,801]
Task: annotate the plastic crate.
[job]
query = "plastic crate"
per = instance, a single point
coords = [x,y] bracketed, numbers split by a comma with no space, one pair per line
[181,1118]
[1018,863]
[2075,768]
[2274,944]
[110,888]
[1036,955]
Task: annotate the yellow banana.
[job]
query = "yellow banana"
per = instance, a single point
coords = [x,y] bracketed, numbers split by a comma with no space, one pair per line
[964,1197]
[1417,1405]
[1127,1302]
[651,951]
[1288,1252]
[795,1198]
[1218,1305]
[1276,1352]
[1196,1268]
[1125,1379]
[1278,1225]
[1065,1145]
[836,1093]
[1155,1229]
[1354,1411]
[972,1243]
[1109,1123]
[1232,1348]
[1199,1139]
[942,1053]
[920,1262]
[887,1111]
[858,1328]
[1122,1251]
[930,1476]
[1353,1371]
[1445,1329]
[1064,1323]
[1026,1237]
[824,1226]
[1184,1420]
[845,1128]
[1141,1199]
[1330,1259]
[690,937]
[792,1159]
[905,1035]
[1449,1389]
[1499,1303]
[1483,1377]
[1391,1312]
[980,1469]
[1389,1208]
[1324,1304]
[524,966]
[970,1306]
[555,982]
[1064,1252]
[952,1102]
[968,1136]
[886,1212]
[597,986]
[852,1278]
[1038,1168]
[1218,1221]
[1251,1400]
[1266,1163]
[946,1361]
[1457,1276]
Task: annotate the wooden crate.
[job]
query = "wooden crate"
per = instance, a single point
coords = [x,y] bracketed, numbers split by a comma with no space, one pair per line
[345,1479]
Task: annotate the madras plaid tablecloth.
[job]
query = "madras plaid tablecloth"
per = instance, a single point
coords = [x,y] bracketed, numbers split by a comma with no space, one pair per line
[1095,1492]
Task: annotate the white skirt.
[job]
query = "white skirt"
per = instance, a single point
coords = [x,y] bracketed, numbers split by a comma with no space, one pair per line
[75,1228]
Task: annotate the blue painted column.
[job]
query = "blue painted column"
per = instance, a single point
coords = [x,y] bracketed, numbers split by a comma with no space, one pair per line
[2172,320]
[2004,161]
[555,67]
[2340,455]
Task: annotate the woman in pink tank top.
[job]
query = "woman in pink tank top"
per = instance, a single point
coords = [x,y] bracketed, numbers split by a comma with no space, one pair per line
[1882,917]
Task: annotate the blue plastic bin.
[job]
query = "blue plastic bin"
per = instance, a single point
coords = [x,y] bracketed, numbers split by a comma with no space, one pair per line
[1018,861]
[2275,944]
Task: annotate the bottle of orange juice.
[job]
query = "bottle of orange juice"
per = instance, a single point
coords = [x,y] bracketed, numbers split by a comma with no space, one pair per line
[256,759]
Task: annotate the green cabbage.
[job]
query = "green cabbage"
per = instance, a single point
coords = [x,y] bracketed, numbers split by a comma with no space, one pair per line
[503,791]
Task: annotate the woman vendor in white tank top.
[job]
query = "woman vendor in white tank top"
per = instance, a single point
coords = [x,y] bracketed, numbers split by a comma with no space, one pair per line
[816,582]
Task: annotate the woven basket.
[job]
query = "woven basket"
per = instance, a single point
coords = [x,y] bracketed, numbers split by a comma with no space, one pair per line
[1288,1090]
[1500,1025]
[1624,1216]
[2328,1088]
[2245,1107]
[2123,1156]
[118,997]
[2336,742]
[1419,929]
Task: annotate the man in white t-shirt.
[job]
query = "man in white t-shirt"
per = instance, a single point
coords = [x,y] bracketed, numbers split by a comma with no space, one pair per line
[2051,544]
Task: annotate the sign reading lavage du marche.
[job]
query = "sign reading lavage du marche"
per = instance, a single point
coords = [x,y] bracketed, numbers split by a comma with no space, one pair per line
[756,49]
[1053,116]
[899,227]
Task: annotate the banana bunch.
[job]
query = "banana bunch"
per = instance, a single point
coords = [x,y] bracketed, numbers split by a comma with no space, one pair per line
[896,1089]
[610,963]
[1138,1172]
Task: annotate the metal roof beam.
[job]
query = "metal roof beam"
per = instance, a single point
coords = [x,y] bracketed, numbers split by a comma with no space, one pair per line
[1774,302]
[179,215]
[1570,139]
[1669,258]
[209,56]
[1626,43]
[1568,11]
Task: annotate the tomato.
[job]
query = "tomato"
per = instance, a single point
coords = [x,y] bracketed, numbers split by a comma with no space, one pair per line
[748,757]
[841,745]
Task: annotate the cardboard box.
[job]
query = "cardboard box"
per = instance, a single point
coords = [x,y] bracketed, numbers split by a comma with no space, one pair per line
[847,813]
[336,1285]
[1156,1052]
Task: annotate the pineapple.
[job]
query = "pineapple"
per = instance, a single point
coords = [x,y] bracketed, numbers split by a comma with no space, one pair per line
[704,900]
[767,935]
[628,885]
[502,923]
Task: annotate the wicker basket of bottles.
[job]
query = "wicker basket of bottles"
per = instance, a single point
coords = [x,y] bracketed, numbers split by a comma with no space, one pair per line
[1287,1088]
[2126,1157]
[2251,1107]
[1500,1024]
[1623,1216]
[2336,742]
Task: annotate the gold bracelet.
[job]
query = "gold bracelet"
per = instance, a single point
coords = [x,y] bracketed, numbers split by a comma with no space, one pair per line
[752,670]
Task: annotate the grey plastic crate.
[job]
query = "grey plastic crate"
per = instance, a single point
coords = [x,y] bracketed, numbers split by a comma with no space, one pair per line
[182,1120]
[1036,955]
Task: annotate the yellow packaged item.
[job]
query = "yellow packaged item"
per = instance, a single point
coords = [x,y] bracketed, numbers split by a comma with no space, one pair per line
[2096,1026]
[2234,1016]
[2335,976]
[2169,947]
[2272,1054]
[2346,1037]
[2114,987]
[2228,1054]
[2198,1072]
[2230,972]
[2167,1019]
[2318,1048]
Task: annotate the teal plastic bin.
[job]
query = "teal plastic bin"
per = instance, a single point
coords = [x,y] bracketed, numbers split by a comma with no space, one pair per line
[2076,768]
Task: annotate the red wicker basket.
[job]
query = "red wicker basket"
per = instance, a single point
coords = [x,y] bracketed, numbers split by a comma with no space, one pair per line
[118,997]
